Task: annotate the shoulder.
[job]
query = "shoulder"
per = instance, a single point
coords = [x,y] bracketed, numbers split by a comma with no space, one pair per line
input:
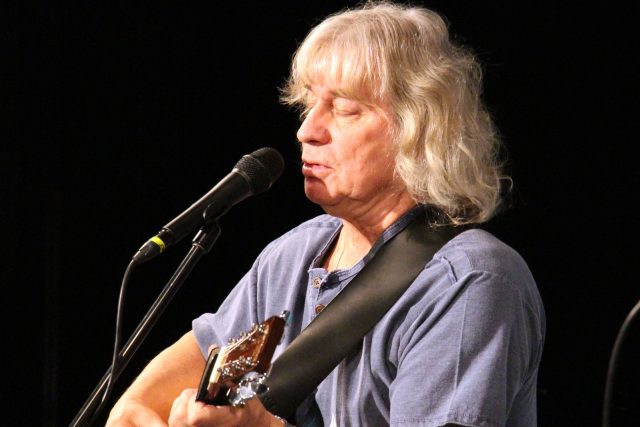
[304,238]
[468,335]
[476,285]
[478,268]
[477,251]
[490,275]
[312,226]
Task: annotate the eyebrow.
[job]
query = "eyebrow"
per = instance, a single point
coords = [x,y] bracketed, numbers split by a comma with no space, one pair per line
[333,93]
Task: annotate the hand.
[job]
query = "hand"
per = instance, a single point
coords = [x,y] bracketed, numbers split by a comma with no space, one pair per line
[187,412]
[130,413]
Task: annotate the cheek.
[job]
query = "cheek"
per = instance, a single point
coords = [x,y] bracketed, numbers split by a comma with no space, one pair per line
[373,168]
[366,154]
[380,155]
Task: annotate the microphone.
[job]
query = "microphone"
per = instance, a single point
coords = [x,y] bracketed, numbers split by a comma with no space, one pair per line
[253,174]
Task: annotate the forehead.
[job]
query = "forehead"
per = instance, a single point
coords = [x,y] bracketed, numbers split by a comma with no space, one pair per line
[326,86]
[341,69]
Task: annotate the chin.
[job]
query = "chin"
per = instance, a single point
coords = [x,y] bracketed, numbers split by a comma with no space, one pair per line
[316,198]
[319,196]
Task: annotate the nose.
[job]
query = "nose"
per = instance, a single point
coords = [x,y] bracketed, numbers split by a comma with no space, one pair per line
[313,129]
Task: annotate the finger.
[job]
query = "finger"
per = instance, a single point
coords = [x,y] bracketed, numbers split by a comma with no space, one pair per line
[251,414]
[180,409]
[201,414]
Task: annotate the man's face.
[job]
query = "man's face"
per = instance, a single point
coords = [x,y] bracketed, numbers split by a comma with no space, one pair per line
[347,152]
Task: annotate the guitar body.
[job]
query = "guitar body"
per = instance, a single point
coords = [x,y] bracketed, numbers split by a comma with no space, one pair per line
[234,374]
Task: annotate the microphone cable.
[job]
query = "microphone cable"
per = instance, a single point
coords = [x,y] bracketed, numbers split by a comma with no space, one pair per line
[115,360]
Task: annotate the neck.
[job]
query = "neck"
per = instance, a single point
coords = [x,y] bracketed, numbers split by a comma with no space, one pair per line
[362,228]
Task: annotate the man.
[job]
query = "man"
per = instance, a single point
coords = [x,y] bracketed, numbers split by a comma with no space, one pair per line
[392,123]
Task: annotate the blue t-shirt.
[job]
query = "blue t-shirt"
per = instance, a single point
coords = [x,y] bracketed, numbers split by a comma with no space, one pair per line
[462,345]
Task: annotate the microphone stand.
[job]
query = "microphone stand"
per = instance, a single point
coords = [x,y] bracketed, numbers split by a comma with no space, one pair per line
[202,244]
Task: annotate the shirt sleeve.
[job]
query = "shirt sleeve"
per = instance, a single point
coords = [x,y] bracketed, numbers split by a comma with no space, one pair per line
[467,356]
[235,315]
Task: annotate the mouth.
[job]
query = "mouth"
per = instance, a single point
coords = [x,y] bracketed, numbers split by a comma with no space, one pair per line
[313,170]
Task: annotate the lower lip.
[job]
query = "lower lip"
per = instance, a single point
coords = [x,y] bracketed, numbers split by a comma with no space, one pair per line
[311,170]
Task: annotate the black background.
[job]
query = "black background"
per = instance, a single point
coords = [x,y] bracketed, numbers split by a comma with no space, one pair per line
[121,114]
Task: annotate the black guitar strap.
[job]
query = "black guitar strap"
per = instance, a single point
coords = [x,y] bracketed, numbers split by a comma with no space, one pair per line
[340,327]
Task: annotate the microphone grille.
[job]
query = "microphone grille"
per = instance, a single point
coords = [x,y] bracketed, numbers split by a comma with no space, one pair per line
[263,167]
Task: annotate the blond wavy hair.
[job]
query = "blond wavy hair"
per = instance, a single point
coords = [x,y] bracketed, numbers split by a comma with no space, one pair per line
[402,57]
